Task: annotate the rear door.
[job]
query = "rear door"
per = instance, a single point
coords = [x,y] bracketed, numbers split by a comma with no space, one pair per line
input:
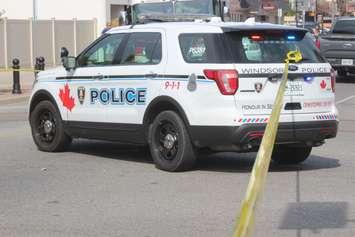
[260,67]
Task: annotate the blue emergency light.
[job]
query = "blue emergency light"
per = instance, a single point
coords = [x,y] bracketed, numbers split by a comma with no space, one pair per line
[308,78]
[291,37]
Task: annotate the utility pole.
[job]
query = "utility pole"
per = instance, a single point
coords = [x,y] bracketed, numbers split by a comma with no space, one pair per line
[35,9]
[296,13]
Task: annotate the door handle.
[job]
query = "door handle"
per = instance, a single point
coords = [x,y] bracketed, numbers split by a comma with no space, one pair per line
[151,75]
[99,77]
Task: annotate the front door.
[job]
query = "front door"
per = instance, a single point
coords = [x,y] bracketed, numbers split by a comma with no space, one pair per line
[90,77]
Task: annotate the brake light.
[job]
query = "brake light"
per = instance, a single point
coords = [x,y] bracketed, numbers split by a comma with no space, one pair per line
[332,78]
[256,37]
[227,80]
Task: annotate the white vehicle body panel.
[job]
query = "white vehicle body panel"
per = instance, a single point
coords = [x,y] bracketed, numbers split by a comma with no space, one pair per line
[203,105]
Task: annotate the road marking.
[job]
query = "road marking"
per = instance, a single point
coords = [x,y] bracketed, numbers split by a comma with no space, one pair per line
[345,99]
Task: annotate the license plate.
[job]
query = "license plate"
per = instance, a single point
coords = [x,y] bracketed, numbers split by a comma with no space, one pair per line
[294,88]
[347,62]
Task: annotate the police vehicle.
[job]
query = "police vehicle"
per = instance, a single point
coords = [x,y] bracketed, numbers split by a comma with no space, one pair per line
[184,87]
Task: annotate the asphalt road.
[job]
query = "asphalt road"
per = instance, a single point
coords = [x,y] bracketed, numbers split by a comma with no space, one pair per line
[106,189]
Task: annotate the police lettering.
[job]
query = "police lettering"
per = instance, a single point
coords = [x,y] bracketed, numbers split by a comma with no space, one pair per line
[118,96]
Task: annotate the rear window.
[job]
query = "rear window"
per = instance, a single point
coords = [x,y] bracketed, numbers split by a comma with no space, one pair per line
[247,47]
[344,27]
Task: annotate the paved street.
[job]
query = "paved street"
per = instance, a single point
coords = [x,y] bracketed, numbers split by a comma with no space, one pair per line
[106,189]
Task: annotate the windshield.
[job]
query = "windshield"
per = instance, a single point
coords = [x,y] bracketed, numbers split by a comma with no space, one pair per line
[344,27]
[194,7]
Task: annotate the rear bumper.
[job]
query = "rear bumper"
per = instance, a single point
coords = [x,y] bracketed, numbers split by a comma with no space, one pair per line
[250,135]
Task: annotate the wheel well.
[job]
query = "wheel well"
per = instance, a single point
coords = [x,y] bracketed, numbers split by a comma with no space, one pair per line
[41,96]
[161,104]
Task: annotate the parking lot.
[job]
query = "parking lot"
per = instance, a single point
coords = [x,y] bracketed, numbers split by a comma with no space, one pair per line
[107,189]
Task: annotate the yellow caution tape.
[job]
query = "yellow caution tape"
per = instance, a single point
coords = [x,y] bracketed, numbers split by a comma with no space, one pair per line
[261,166]
[19,70]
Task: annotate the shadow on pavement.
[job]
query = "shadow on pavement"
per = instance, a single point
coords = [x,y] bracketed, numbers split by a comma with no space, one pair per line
[219,162]
[315,216]
[111,150]
[243,162]
[346,79]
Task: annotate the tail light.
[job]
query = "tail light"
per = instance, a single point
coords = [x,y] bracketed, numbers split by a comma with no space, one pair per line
[332,78]
[227,80]
[317,43]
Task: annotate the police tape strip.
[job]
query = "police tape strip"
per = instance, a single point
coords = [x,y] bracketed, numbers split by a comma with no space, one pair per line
[19,70]
[261,166]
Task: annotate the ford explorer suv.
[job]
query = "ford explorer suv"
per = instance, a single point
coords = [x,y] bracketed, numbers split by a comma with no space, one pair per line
[183,87]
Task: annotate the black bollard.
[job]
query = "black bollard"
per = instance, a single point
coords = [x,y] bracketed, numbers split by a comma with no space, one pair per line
[37,67]
[16,89]
[41,62]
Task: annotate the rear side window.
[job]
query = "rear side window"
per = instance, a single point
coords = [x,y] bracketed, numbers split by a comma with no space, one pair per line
[204,48]
[142,48]
[247,47]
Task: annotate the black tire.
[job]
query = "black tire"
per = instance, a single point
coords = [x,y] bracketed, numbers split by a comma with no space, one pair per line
[286,155]
[170,143]
[47,128]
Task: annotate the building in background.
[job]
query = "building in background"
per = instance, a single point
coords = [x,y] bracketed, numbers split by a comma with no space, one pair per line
[103,10]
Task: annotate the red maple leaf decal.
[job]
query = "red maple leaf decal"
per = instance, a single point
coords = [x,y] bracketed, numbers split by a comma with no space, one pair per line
[323,84]
[64,95]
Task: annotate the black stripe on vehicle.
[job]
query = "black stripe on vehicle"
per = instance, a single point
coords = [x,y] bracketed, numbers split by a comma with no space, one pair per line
[74,77]
[247,90]
[279,75]
[128,76]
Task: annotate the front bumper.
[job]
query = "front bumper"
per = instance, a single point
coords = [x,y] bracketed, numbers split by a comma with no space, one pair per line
[249,135]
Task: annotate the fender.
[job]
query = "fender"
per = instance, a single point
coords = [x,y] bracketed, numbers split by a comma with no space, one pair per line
[167,103]
[39,96]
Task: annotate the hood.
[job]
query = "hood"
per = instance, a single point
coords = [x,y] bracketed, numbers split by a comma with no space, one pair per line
[52,73]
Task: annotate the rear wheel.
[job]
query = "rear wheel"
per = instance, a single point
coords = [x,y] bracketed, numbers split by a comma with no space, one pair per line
[286,155]
[170,143]
[47,128]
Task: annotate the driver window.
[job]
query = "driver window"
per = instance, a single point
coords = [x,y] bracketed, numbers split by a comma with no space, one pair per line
[103,53]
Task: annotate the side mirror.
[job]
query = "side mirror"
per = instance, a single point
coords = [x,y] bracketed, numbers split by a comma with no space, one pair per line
[69,63]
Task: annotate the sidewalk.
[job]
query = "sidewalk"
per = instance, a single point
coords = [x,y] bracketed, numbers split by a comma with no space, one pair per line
[6,96]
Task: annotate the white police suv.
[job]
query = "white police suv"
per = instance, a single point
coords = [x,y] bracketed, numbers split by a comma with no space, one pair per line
[187,86]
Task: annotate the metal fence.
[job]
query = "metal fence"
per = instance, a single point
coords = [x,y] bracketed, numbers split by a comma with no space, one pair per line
[28,39]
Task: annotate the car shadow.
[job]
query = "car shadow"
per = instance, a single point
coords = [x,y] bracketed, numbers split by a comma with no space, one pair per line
[111,150]
[243,162]
[346,79]
[219,162]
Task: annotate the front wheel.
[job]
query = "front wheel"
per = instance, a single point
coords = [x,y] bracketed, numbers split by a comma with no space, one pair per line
[47,128]
[287,155]
[170,143]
